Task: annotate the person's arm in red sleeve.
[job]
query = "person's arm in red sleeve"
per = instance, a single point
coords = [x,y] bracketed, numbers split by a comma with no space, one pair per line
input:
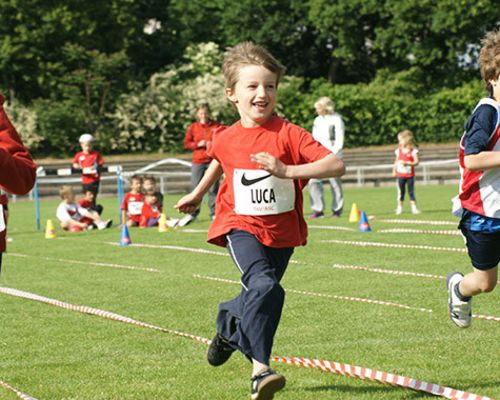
[100,160]
[189,142]
[17,169]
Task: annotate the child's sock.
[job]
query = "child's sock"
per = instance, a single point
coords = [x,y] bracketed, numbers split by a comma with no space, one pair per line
[460,295]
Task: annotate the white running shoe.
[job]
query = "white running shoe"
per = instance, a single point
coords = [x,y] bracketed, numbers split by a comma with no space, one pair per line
[104,224]
[460,311]
[399,210]
[415,210]
[172,222]
[186,220]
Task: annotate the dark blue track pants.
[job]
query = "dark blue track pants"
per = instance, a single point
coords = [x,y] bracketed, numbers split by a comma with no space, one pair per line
[250,320]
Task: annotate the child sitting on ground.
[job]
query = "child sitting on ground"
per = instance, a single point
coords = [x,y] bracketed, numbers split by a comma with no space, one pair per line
[132,203]
[74,217]
[149,185]
[151,210]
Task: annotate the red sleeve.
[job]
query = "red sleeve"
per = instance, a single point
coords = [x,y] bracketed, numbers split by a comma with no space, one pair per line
[100,160]
[17,169]
[189,142]
[124,205]
[75,158]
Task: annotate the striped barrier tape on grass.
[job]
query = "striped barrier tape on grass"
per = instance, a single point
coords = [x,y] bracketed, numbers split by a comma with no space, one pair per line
[451,232]
[331,296]
[331,227]
[418,221]
[327,366]
[387,271]
[395,245]
[19,394]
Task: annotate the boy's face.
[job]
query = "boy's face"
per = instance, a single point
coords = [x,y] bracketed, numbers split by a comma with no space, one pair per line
[89,196]
[254,95]
[202,115]
[150,199]
[86,146]
[69,197]
[148,185]
[495,84]
[135,185]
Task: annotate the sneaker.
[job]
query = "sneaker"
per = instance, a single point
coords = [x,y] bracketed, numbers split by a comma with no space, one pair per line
[399,210]
[415,210]
[172,222]
[336,214]
[266,384]
[316,214]
[219,351]
[460,311]
[186,220]
[104,224]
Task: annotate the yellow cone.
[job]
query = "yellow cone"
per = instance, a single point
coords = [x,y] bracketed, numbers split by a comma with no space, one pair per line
[354,215]
[162,223]
[50,231]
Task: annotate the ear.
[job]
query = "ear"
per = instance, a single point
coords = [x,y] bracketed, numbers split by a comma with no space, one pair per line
[231,95]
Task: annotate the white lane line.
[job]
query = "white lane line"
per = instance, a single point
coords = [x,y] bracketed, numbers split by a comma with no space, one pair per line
[395,245]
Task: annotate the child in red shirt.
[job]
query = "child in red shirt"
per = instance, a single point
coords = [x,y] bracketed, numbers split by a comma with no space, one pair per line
[266,161]
[198,137]
[404,170]
[151,210]
[132,203]
[89,161]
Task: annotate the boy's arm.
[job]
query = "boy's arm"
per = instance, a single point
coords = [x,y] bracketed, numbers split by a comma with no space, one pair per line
[190,202]
[328,167]
[482,161]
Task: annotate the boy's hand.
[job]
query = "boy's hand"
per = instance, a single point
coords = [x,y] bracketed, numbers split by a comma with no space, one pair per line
[188,204]
[270,164]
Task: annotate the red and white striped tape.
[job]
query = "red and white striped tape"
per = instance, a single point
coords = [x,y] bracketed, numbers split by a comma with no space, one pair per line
[451,232]
[387,271]
[418,221]
[327,366]
[332,227]
[19,394]
[331,296]
[395,245]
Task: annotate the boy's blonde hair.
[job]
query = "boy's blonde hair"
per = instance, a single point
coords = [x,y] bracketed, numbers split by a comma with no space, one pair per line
[326,104]
[489,58]
[65,191]
[407,136]
[248,53]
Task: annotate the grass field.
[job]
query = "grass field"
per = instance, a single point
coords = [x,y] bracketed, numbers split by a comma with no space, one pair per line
[52,353]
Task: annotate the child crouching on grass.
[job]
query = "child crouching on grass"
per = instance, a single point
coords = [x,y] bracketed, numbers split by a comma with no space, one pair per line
[266,161]
[73,217]
[479,196]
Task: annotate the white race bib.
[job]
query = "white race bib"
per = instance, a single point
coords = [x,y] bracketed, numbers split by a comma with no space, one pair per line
[257,192]
[135,207]
[403,169]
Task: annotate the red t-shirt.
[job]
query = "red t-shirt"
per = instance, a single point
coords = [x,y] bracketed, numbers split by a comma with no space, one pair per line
[232,148]
[196,133]
[17,169]
[89,160]
[405,171]
[149,211]
[132,203]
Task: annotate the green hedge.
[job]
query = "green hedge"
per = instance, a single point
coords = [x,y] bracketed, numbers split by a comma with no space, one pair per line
[375,113]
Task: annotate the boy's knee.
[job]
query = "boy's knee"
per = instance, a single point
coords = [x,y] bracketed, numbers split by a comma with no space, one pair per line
[488,286]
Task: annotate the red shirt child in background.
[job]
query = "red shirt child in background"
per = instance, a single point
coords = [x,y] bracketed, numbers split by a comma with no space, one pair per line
[151,211]
[132,203]
[17,169]
[89,161]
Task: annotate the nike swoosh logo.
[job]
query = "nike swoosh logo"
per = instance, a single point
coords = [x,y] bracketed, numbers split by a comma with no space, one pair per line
[248,182]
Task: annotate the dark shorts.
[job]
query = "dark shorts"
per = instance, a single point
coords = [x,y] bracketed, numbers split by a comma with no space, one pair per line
[483,248]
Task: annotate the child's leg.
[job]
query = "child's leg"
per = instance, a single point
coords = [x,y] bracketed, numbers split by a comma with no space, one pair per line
[337,197]
[316,195]
[411,194]
[478,281]
[249,321]
[401,186]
